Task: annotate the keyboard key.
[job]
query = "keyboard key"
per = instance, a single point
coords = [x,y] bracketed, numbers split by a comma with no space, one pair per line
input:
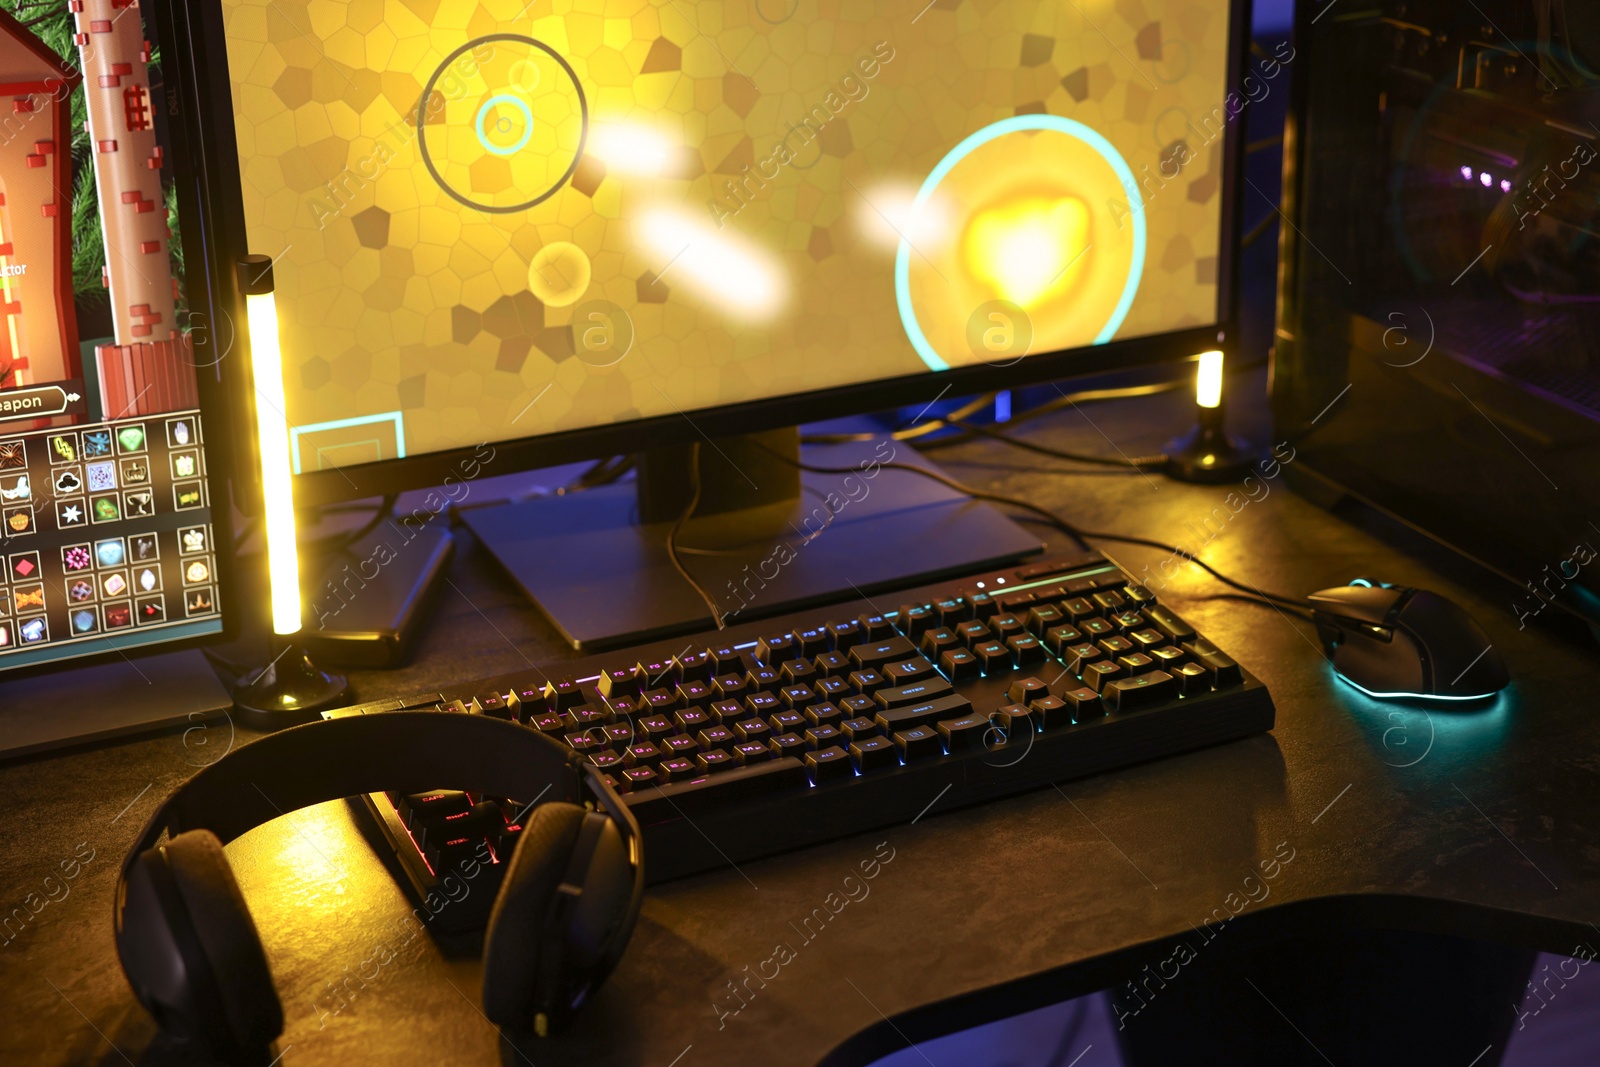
[713,760]
[963,733]
[1142,690]
[1007,625]
[828,765]
[974,633]
[1115,645]
[917,743]
[1221,668]
[1136,662]
[1079,657]
[762,704]
[857,705]
[842,635]
[1077,609]
[937,640]
[715,737]
[728,712]
[606,761]
[494,705]
[811,641]
[855,729]
[1138,594]
[752,730]
[633,779]
[876,654]
[456,853]
[751,752]
[951,610]
[559,696]
[657,702]
[983,605]
[1026,649]
[867,682]
[1051,711]
[959,665]
[798,672]
[819,737]
[1108,601]
[783,722]
[719,792]
[909,671]
[619,734]
[928,713]
[1166,656]
[691,720]
[831,664]
[641,754]
[1100,672]
[584,741]
[764,680]
[725,659]
[913,619]
[435,806]
[874,627]
[692,694]
[774,649]
[1042,617]
[829,688]
[993,656]
[586,715]
[1191,678]
[1017,722]
[915,693]
[621,707]
[873,754]
[1128,621]
[788,743]
[797,696]
[1147,639]
[1170,623]
[1024,690]
[824,712]
[691,667]
[652,727]
[728,686]
[1095,628]
[677,769]
[678,745]
[619,681]
[1059,638]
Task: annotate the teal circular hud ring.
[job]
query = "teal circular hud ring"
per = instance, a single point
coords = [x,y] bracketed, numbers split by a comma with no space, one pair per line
[527,124]
[1020,124]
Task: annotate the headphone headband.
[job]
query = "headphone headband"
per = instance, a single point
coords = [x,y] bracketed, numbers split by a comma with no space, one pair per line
[407,752]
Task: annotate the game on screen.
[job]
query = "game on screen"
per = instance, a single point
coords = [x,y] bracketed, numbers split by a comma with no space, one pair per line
[497,220]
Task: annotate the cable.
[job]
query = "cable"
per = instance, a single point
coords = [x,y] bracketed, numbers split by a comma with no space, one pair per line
[1263,144]
[1081,536]
[339,541]
[1257,230]
[1140,463]
[672,536]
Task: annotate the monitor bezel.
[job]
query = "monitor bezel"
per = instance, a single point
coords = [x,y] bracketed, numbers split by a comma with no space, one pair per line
[216,390]
[216,140]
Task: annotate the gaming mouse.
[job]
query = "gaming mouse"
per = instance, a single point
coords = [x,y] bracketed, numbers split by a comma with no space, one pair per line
[1393,642]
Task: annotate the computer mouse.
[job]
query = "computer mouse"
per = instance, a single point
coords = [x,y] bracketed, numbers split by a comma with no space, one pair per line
[1399,643]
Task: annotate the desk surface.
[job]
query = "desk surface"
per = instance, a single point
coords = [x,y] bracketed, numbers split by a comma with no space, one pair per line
[1486,824]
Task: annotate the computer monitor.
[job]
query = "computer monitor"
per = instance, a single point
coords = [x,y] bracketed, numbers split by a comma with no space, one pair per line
[112,496]
[508,237]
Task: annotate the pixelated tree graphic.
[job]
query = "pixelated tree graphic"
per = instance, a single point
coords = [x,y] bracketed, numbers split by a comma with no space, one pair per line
[51,22]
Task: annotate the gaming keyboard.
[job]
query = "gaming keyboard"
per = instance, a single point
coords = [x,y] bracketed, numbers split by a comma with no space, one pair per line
[789,731]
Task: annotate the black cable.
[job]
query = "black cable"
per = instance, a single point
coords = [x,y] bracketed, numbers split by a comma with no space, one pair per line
[672,537]
[1257,230]
[339,541]
[1140,463]
[1081,536]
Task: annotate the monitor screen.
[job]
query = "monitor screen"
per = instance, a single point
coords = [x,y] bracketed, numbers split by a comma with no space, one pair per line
[106,534]
[492,221]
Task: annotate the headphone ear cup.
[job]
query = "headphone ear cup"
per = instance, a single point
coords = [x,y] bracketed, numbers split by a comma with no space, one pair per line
[514,944]
[227,937]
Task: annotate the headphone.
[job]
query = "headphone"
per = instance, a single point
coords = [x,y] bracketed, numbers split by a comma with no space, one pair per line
[566,906]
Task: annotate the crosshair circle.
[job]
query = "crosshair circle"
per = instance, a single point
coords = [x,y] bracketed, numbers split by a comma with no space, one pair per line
[444,68]
[503,125]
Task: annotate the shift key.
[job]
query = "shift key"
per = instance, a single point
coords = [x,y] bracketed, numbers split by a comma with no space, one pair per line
[925,713]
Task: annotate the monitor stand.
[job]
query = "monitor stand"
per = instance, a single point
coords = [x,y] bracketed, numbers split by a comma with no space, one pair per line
[766,538]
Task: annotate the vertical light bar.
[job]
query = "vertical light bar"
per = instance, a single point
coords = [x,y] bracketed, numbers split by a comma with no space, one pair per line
[1208,382]
[272,440]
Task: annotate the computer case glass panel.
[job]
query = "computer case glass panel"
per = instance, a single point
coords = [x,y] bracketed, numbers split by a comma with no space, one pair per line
[1438,349]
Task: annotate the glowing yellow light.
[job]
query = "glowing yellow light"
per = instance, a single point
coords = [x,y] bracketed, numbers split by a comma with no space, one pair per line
[1029,250]
[277,483]
[1208,382]
[721,268]
[635,149]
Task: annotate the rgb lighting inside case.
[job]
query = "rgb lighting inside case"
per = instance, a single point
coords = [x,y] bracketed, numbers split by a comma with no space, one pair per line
[628,209]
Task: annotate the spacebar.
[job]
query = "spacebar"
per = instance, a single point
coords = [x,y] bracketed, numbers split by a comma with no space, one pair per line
[663,803]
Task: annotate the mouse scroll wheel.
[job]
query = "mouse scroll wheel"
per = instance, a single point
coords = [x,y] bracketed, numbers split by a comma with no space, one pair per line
[1382,633]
